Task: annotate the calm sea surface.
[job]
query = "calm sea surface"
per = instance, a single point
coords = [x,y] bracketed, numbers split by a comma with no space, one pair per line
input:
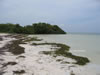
[87,45]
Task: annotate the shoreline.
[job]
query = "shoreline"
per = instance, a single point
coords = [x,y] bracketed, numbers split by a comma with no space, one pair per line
[33,62]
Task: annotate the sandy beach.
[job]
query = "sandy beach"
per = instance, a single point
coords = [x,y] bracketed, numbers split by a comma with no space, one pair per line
[34,62]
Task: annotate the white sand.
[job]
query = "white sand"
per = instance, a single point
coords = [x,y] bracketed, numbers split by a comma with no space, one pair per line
[36,63]
[5,41]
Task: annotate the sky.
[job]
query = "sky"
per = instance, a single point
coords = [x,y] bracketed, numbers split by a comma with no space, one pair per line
[71,15]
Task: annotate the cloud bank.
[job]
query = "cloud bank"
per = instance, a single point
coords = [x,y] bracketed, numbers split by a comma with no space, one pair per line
[72,16]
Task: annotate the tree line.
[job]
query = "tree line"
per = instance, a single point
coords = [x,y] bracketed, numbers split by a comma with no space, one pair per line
[36,28]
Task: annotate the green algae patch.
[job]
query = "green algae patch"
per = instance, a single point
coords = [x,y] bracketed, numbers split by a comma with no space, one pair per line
[63,50]
[28,39]
[62,46]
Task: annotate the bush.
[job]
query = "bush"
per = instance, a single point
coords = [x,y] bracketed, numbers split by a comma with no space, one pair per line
[36,28]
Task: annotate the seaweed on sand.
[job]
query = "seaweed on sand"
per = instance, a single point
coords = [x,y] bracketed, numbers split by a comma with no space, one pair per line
[19,72]
[28,39]
[63,50]
[9,63]
[15,48]
[1,39]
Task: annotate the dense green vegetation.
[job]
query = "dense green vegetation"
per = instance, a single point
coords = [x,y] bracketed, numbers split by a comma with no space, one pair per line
[36,28]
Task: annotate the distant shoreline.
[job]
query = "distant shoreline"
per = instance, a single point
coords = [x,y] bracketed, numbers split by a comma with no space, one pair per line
[83,33]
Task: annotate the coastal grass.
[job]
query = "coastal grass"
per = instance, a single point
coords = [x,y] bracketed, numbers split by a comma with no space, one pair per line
[63,50]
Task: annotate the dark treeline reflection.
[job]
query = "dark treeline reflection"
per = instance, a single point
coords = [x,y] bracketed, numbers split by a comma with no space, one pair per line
[36,28]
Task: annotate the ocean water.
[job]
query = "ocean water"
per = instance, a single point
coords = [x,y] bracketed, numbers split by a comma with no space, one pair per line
[87,45]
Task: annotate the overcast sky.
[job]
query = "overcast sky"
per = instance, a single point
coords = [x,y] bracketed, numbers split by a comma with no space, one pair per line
[71,15]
